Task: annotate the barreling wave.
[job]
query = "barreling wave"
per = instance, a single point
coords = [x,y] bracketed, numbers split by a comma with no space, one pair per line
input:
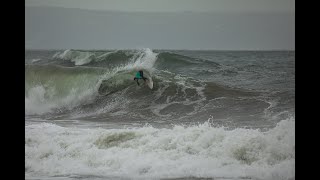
[56,87]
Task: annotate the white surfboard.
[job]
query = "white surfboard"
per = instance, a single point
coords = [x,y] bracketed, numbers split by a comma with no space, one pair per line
[147,75]
[149,82]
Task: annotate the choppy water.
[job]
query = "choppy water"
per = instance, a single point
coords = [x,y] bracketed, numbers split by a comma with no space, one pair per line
[210,114]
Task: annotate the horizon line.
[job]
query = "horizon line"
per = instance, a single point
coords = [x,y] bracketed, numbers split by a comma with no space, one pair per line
[174,49]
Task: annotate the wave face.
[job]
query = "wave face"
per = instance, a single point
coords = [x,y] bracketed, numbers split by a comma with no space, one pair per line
[58,85]
[55,87]
[75,84]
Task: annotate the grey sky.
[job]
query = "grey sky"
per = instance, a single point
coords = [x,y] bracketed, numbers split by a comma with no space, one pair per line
[164,24]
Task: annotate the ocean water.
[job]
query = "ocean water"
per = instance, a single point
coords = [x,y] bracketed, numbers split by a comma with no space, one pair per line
[210,114]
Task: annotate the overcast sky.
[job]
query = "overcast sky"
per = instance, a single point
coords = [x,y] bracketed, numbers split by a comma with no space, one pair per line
[160,24]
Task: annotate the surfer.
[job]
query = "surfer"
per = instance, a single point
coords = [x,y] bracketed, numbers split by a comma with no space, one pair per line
[139,75]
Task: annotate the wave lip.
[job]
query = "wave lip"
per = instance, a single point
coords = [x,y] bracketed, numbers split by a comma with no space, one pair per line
[195,151]
[140,58]
[78,57]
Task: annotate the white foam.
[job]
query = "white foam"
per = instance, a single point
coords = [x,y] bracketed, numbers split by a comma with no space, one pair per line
[143,59]
[78,57]
[35,102]
[62,55]
[147,152]
[35,60]
[41,99]
[105,55]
